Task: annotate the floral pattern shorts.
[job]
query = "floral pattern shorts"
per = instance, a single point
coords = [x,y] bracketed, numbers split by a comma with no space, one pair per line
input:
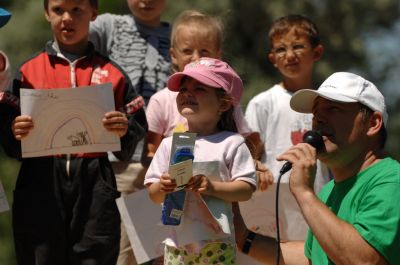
[212,253]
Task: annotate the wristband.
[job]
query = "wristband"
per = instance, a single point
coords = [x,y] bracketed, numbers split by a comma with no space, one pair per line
[249,240]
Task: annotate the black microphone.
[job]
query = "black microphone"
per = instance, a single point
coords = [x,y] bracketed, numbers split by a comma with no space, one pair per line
[313,138]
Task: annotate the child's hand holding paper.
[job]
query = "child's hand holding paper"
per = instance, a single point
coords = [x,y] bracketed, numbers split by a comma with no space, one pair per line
[181,172]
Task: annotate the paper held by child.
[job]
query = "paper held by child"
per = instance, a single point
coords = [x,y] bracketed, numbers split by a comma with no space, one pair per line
[68,120]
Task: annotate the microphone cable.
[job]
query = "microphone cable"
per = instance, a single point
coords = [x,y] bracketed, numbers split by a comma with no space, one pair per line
[278,235]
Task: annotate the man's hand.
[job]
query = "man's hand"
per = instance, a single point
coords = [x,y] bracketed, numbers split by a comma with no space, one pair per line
[304,160]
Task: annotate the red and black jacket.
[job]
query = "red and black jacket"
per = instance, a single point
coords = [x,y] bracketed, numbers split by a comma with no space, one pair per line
[49,69]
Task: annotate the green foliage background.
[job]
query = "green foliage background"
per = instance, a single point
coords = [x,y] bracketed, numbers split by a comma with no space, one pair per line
[347,27]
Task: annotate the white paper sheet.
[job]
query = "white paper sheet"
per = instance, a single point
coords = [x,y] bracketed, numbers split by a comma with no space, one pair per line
[141,218]
[259,214]
[68,120]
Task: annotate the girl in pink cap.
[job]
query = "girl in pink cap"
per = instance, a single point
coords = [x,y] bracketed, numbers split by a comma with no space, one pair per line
[223,169]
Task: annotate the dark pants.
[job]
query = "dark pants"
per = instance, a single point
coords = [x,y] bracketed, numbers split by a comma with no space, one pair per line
[66,220]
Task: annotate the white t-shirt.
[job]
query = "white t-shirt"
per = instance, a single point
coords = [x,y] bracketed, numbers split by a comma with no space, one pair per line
[226,150]
[164,118]
[280,128]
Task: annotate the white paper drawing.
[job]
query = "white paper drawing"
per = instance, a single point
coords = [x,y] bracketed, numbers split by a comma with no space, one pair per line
[68,120]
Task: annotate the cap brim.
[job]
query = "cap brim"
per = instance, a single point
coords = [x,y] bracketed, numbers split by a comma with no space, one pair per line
[4,17]
[303,100]
[175,80]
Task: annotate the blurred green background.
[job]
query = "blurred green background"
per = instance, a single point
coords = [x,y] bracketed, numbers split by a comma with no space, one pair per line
[361,36]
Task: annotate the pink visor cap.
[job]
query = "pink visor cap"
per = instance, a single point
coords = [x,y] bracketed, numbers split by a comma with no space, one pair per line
[342,87]
[213,73]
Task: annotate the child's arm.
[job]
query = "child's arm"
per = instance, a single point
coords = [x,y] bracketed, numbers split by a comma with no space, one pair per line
[158,190]
[153,141]
[256,147]
[228,191]
[100,33]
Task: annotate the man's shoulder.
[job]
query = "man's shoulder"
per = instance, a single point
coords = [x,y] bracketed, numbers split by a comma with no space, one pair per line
[388,167]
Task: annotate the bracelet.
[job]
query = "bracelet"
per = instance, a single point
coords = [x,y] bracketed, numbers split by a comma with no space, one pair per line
[249,240]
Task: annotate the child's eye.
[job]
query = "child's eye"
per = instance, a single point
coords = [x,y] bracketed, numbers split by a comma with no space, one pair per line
[298,47]
[204,53]
[187,51]
[58,10]
[200,88]
[76,9]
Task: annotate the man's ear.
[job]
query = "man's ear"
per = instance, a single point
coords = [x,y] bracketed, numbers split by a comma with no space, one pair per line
[318,52]
[272,59]
[375,123]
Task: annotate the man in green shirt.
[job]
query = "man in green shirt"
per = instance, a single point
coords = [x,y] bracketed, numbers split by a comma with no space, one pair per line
[356,217]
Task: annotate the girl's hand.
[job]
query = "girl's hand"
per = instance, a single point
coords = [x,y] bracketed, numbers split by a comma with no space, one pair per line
[264,176]
[21,126]
[117,122]
[199,183]
[167,185]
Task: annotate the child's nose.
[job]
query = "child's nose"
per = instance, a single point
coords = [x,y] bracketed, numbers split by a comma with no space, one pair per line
[66,16]
[196,56]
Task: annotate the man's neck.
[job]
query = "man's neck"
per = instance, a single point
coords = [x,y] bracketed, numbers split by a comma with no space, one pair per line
[354,167]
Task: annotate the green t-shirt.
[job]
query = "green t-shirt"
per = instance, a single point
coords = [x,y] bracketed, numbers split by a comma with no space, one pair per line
[370,202]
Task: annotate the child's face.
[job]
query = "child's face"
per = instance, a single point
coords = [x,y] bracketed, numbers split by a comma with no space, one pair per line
[147,12]
[69,20]
[189,46]
[293,55]
[199,103]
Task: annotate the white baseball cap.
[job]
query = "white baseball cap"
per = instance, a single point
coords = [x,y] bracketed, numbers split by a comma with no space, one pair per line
[342,87]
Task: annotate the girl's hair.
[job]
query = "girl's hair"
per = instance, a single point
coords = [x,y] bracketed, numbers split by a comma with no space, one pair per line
[300,23]
[205,25]
[93,3]
[227,120]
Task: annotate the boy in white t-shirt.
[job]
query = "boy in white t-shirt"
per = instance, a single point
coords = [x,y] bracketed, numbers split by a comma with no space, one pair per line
[295,47]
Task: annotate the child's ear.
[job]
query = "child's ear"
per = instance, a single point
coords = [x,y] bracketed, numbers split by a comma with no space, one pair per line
[46,15]
[318,52]
[95,13]
[225,105]
[272,59]
[173,56]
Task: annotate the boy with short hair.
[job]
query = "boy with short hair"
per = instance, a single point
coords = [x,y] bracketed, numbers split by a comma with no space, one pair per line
[295,47]
[64,208]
